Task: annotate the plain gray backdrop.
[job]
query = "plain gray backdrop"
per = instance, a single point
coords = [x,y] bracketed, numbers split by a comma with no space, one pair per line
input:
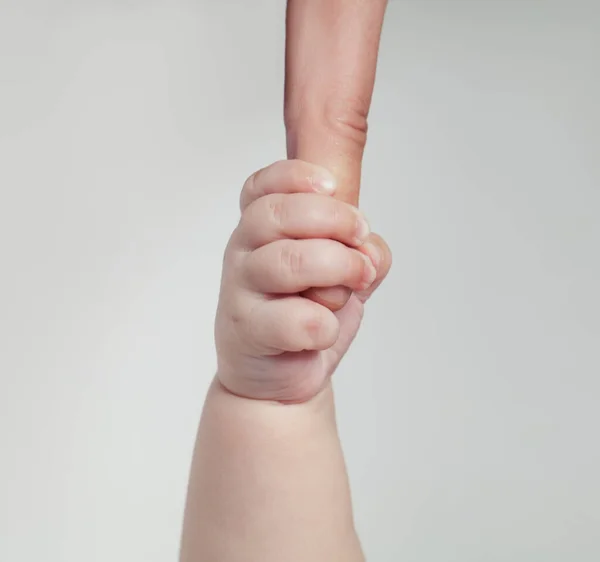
[468,406]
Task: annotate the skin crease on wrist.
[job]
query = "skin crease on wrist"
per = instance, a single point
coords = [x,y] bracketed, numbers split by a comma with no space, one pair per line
[268,481]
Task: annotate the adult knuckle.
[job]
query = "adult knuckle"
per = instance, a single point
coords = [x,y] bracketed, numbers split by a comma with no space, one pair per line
[344,115]
[347,118]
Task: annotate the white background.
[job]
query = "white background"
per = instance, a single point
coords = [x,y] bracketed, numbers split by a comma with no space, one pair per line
[469,405]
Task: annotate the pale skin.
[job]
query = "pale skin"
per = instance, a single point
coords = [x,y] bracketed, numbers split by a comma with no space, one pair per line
[268,481]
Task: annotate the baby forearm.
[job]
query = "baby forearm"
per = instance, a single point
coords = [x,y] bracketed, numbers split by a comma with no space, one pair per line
[268,483]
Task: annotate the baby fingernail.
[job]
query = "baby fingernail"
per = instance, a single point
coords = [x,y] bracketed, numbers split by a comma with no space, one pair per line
[373,252]
[362,228]
[323,182]
[369,273]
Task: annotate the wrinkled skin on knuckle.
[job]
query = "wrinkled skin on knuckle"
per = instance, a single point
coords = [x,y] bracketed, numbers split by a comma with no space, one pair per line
[346,117]
[334,213]
[291,261]
[343,115]
[278,210]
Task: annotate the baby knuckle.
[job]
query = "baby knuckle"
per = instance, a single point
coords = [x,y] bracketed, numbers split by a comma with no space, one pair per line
[291,260]
[278,210]
[334,212]
[314,326]
[320,330]
[294,338]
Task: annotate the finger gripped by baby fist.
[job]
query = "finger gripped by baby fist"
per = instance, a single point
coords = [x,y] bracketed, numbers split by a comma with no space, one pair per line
[287,176]
[300,215]
[292,266]
[292,324]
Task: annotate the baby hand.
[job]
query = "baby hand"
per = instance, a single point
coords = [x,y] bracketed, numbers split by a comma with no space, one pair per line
[273,343]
